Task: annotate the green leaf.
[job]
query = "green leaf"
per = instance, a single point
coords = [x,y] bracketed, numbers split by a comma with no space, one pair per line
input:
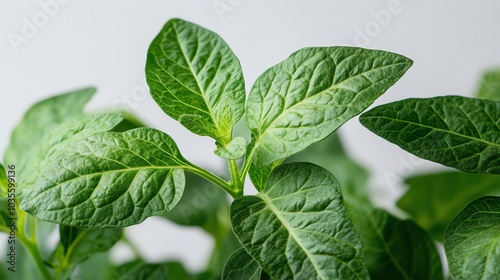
[298,228]
[313,92]
[78,245]
[330,154]
[433,200]
[196,79]
[489,86]
[110,179]
[59,138]
[39,120]
[234,150]
[393,248]
[455,131]
[148,271]
[242,266]
[472,241]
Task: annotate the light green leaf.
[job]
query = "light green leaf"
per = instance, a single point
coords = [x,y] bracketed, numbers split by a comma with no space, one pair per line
[234,150]
[393,248]
[4,182]
[298,228]
[489,86]
[150,271]
[433,200]
[53,143]
[472,241]
[78,245]
[110,179]
[242,266]
[313,92]
[39,120]
[460,132]
[196,79]
[330,154]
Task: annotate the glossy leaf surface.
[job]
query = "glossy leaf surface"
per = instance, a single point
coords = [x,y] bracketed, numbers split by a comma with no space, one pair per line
[110,180]
[298,228]
[472,241]
[196,79]
[460,132]
[313,92]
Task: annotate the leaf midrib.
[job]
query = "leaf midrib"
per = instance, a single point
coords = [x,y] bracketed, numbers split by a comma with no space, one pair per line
[335,86]
[436,129]
[203,93]
[291,232]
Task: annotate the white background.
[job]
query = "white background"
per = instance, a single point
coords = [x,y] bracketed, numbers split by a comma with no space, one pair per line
[104,44]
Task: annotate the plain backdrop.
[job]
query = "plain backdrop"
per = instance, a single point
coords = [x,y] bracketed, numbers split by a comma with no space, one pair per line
[74,44]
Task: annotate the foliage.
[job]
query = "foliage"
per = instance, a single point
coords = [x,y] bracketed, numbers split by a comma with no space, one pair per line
[95,174]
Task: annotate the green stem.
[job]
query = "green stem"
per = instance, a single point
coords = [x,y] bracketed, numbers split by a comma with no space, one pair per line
[235,175]
[212,178]
[30,243]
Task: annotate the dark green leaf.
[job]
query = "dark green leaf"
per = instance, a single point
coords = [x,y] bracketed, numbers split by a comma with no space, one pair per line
[39,120]
[110,179]
[460,132]
[234,150]
[330,154]
[297,227]
[148,271]
[242,266]
[393,248]
[196,79]
[313,92]
[78,245]
[96,267]
[434,200]
[489,86]
[472,241]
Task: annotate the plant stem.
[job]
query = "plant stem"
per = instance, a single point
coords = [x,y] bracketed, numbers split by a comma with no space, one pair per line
[30,243]
[212,178]
[235,175]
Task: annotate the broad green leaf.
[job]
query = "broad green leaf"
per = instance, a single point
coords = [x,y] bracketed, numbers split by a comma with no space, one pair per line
[39,120]
[234,150]
[472,241]
[489,86]
[393,248]
[4,182]
[53,143]
[313,92]
[297,226]
[433,200]
[330,154]
[196,79]
[242,266]
[150,271]
[460,132]
[110,179]
[78,245]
